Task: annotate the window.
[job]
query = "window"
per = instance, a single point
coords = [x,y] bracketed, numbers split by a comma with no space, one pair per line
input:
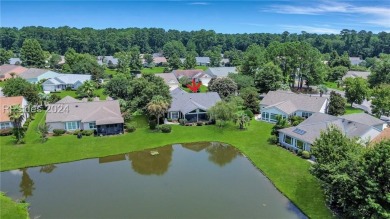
[174,115]
[306,115]
[72,125]
[92,125]
[300,144]
[5,125]
[273,117]
[288,139]
[264,116]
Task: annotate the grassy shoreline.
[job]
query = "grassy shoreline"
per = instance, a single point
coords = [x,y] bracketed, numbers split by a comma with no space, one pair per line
[12,209]
[289,174]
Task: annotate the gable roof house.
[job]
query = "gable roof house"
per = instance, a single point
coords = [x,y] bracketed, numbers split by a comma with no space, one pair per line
[15,61]
[191,106]
[158,59]
[34,75]
[287,104]
[355,74]
[64,81]
[71,114]
[218,72]
[303,136]
[169,79]
[7,69]
[355,60]
[5,106]
[106,59]
[196,74]
[202,61]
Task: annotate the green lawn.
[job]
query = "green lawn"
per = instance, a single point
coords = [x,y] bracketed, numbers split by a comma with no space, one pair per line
[12,210]
[352,110]
[153,70]
[332,85]
[2,83]
[72,93]
[110,71]
[204,68]
[289,173]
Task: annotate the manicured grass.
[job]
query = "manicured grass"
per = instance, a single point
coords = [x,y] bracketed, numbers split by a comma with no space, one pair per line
[332,85]
[204,68]
[289,173]
[12,210]
[153,70]
[73,93]
[110,71]
[202,89]
[352,110]
[2,83]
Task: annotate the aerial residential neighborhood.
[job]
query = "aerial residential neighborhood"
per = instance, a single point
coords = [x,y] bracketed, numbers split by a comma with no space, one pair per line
[181,109]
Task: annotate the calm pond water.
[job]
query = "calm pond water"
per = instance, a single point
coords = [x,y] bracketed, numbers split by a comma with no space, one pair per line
[201,180]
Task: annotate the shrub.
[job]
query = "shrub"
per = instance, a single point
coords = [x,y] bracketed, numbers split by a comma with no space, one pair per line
[68,88]
[5,132]
[87,132]
[58,132]
[249,114]
[127,116]
[306,154]
[76,132]
[182,121]
[169,120]
[299,152]
[152,124]
[130,127]
[273,139]
[199,123]
[166,128]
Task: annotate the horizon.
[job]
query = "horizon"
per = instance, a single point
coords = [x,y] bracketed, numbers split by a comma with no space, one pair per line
[226,17]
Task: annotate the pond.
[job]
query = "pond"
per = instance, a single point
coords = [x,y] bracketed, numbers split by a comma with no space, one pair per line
[198,180]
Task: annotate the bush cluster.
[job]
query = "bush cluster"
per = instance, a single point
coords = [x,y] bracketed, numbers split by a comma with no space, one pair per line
[166,128]
[58,132]
[5,132]
[130,127]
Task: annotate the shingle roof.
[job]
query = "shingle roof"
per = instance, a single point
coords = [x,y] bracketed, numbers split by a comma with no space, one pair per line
[68,99]
[364,118]
[13,61]
[220,71]
[355,74]
[202,60]
[355,60]
[101,112]
[318,122]
[6,103]
[186,102]
[69,79]
[195,73]
[297,101]
[169,78]
[33,73]
[8,68]
[106,59]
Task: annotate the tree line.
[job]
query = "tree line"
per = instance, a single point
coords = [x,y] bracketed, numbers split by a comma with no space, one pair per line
[109,41]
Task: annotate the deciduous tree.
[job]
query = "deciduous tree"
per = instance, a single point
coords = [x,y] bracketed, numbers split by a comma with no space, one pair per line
[336,104]
[356,90]
[380,103]
[31,54]
[224,87]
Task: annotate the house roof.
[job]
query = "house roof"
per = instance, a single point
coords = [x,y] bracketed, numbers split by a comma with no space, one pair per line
[101,112]
[169,78]
[187,102]
[355,60]
[220,71]
[310,129]
[8,68]
[302,102]
[68,99]
[195,73]
[13,61]
[106,59]
[33,73]
[384,135]
[6,103]
[355,74]
[68,79]
[364,118]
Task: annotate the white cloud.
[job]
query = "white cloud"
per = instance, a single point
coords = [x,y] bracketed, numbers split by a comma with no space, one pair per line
[377,15]
[198,3]
[310,29]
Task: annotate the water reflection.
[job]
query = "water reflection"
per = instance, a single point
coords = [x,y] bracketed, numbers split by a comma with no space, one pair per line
[112,158]
[26,185]
[198,146]
[221,154]
[47,168]
[144,163]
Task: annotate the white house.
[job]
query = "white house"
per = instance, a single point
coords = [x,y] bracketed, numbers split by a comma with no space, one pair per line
[34,75]
[287,104]
[64,81]
[303,136]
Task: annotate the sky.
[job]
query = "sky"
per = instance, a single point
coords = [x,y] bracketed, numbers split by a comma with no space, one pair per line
[260,16]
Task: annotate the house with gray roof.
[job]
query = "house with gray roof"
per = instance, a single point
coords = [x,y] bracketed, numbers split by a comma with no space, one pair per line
[106,60]
[196,74]
[15,61]
[191,106]
[302,136]
[366,119]
[288,104]
[34,75]
[355,60]
[70,114]
[63,81]
[218,72]
[169,79]
[203,61]
[355,74]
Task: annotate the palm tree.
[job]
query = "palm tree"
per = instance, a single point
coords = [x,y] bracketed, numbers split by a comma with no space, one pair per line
[242,119]
[158,106]
[16,116]
[88,88]
[322,89]
[43,97]
[281,123]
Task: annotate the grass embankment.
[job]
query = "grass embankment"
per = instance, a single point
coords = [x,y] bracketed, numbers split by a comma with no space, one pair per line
[12,210]
[289,173]
[352,110]
[333,85]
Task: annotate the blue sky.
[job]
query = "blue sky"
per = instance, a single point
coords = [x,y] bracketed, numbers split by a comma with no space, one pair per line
[222,16]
